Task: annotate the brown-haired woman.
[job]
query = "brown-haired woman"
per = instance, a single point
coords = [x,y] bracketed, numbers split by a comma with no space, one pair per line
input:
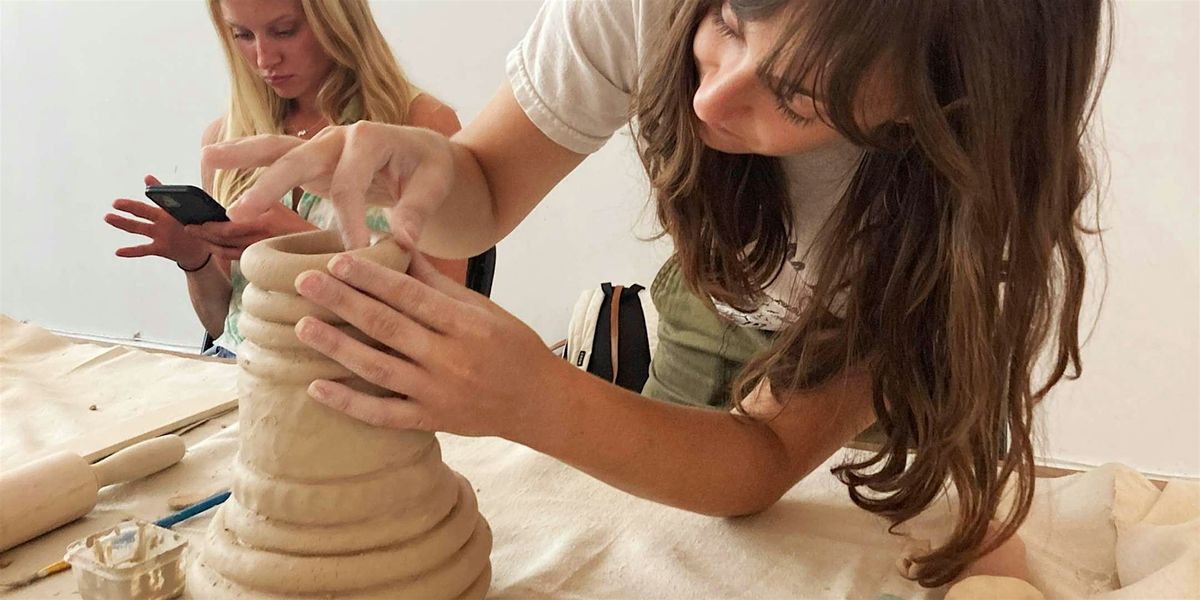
[880,199]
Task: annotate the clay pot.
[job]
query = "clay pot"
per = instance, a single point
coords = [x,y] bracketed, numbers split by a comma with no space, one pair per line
[324,504]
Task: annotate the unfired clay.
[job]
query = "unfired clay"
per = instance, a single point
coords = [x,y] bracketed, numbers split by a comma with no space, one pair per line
[325,505]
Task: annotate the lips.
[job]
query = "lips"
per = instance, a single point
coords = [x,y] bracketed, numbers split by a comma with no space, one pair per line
[277,79]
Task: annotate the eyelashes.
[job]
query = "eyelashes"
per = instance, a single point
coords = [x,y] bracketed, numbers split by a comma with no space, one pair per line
[243,35]
[792,116]
[722,27]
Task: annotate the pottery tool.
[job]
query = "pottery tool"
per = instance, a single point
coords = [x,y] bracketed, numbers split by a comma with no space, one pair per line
[166,522]
[47,493]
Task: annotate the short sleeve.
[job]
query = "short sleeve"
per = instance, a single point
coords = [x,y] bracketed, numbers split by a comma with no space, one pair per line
[574,72]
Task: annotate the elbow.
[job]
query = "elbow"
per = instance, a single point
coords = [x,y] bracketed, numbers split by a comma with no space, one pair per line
[758,488]
[749,502]
[752,506]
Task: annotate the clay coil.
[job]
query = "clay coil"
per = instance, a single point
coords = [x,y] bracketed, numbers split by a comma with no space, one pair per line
[308,252]
[382,530]
[281,307]
[415,559]
[336,501]
[207,583]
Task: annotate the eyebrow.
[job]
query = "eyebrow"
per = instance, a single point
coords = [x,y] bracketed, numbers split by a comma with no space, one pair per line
[273,22]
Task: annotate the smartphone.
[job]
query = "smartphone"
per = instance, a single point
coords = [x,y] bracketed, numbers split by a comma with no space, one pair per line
[189,204]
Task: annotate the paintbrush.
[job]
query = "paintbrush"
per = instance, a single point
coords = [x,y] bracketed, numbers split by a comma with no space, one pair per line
[166,522]
[46,571]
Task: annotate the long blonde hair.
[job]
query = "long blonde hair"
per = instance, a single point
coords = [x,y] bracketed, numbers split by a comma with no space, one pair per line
[366,82]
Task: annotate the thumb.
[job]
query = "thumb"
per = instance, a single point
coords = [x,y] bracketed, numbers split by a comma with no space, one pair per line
[151,180]
[406,225]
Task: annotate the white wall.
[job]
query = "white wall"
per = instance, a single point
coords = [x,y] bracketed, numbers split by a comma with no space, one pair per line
[95,94]
[1138,401]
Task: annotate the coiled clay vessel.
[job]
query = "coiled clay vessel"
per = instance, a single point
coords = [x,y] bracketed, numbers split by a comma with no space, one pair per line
[324,505]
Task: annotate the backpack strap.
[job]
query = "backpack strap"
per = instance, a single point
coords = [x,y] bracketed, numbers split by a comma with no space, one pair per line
[614,328]
[582,329]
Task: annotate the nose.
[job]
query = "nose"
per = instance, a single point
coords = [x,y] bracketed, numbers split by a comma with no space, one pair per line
[266,54]
[724,93]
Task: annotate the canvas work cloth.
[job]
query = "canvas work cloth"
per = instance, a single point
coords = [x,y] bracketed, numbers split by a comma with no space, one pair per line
[1106,533]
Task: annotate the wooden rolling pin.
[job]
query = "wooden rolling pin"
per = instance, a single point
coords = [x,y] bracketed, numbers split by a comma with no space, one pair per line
[62,487]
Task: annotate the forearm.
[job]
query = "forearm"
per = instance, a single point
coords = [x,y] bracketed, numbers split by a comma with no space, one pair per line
[467,223]
[705,461]
[503,166]
[209,290]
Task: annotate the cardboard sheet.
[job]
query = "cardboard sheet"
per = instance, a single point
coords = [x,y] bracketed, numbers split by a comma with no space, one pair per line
[49,385]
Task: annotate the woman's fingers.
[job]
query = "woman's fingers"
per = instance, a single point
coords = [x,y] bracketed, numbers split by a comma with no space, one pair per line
[426,187]
[396,413]
[356,165]
[227,253]
[151,180]
[380,368]
[229,234]
[225,229]
[422,270]
[257,151]
[369,315]
[423,304]
[128,225]
[248,152]
[138,251]
[140,209]
[360,160]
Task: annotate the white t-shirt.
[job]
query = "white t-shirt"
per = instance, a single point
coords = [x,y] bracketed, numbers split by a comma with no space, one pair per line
[574,74]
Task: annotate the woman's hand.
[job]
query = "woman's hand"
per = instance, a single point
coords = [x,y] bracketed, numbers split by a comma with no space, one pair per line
[457,362]
[407,169]
[230,238]
[168,238]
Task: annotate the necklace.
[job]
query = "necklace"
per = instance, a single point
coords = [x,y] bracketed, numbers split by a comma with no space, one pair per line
[303,132]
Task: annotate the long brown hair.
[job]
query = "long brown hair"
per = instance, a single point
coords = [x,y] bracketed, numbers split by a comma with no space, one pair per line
[953,263]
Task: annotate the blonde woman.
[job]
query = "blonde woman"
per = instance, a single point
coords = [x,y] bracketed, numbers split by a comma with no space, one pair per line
[296,66]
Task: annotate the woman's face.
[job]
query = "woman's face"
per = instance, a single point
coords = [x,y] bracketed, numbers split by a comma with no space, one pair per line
[276,41]
[738,112]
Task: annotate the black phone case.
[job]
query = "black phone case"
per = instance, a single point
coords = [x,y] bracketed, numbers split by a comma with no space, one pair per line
[189,204]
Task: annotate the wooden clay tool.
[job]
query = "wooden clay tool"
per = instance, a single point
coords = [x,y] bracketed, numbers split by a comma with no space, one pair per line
[62,487]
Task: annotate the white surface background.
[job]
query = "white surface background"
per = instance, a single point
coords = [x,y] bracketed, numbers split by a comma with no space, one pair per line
[95,94]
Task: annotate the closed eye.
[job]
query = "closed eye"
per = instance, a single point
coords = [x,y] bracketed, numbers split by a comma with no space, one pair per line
[792,116]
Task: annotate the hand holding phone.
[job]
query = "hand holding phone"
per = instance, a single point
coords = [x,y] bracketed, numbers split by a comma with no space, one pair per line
[189,204]
[228,239]
[168,238]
